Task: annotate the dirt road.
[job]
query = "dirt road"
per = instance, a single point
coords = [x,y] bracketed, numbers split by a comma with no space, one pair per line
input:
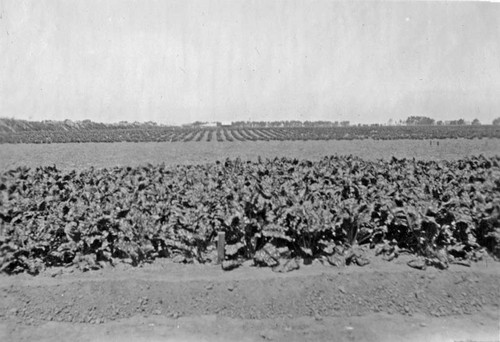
[383,301]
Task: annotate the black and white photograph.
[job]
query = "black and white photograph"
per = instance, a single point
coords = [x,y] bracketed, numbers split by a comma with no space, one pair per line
[249,170]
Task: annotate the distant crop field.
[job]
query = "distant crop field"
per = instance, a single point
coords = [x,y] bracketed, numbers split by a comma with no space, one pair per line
[51,135]
[99,155]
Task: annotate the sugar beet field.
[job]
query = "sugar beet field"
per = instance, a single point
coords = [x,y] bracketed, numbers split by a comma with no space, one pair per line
[163,232]
[276,201]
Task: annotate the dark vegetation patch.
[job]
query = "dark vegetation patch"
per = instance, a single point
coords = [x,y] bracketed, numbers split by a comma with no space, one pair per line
[271,211]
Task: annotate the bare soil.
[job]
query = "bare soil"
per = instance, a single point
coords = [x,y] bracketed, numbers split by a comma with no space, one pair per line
[99,155]
[383,301]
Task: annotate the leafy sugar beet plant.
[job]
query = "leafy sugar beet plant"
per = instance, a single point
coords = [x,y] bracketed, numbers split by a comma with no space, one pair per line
[272,212]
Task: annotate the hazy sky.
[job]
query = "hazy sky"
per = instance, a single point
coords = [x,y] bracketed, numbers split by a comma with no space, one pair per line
[177,61]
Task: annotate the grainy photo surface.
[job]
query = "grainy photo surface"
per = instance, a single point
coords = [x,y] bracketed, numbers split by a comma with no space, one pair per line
[299,170]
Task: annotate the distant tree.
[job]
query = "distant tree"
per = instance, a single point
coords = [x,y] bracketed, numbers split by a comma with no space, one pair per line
[440,123]
[459,122]
[496,121]
[475,122]
[419,120]
[344,123]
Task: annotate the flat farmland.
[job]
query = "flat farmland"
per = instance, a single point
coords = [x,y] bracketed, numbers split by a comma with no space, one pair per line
[104,155]
[131,251]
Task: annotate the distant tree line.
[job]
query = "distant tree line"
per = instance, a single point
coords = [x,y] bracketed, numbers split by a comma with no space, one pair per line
[15,125]
[426,121]
[292,123]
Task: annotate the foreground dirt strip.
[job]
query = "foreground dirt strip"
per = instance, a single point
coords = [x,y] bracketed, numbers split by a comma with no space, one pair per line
[373,328]
[311,303]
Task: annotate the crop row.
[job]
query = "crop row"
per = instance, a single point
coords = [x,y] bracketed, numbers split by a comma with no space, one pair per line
[271,211]
[231,134]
